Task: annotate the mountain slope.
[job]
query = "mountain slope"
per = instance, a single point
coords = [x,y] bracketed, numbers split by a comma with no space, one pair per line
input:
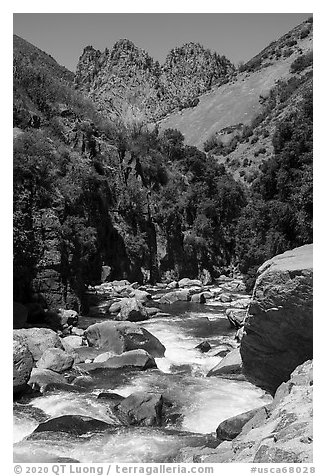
[238,101]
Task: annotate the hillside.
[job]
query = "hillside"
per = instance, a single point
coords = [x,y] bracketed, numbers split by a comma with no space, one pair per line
[239,100]
[93,191]
[126,83]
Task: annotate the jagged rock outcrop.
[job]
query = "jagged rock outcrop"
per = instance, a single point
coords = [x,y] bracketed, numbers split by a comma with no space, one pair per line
[128,83]
[38,340]
[279,328]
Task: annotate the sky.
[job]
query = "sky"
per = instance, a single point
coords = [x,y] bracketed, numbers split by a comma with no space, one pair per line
[239,36]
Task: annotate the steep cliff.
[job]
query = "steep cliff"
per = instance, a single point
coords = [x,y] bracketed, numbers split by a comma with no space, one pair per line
[279,327]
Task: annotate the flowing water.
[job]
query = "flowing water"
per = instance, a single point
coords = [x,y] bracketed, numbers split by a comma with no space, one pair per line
[181,377]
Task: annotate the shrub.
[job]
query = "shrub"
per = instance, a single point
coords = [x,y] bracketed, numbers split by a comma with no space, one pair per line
[302,62]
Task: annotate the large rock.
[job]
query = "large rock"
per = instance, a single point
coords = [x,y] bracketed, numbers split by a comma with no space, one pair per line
[55,359]
[173,296]
[72,342]
[22,365]
[232,427]
[199,297]
[38,340]
[61,318]
[40,378]
[132,310]
[119,337]
[236,317]
[187,282]
[73,424]
[281,432]
[279,328]
[137,359]
[20,313]
[230,364]
[143,409]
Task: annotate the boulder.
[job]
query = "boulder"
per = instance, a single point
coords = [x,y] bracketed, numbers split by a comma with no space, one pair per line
[22,365]
[20,313]
[236,317]
[41,377]
[72,342]
[73,424]
[132,310]
[225,298]
[116,306]
[75,331]
[186,282]
[119,337]
[234,286]
[241,303]
[141,296]
[143,409]
[83,381]
[204,346]
[278,331]
[222,350]
[231,364]
[173,296]
[232,427]
[61,318]
[38,340]
[200,298]
[172,285]
[138,359]
[110,397]
[55,359]
[152,311]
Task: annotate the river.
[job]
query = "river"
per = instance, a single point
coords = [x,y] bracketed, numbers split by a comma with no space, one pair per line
[181,377]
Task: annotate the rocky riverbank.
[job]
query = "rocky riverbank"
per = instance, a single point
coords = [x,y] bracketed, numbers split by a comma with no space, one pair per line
[127,338]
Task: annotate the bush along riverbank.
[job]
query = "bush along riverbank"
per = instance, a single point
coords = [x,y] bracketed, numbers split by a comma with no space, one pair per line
[152,371]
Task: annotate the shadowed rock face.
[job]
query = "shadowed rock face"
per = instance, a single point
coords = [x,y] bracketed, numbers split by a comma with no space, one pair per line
[279,328]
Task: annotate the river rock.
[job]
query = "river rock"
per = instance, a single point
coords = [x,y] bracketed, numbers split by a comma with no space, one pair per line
[222,350]
[55,359]
[231,364]
[38,340]
[141,296]
[72,342]
[20,313]
[115,307]
[41,377]
[225,298]
[234,286]
[61,318]
[187,282]
[110,396]
[241,303]
[173,296]
[119,337]
[22,365]
[232,427]
[279,329]
[141,408]
[172,285]
[204,346]
[138,359]
[132,310]
[200,298]
[73,424]
[236,317]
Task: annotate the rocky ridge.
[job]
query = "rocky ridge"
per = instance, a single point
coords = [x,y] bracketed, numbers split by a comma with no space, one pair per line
[126,82]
